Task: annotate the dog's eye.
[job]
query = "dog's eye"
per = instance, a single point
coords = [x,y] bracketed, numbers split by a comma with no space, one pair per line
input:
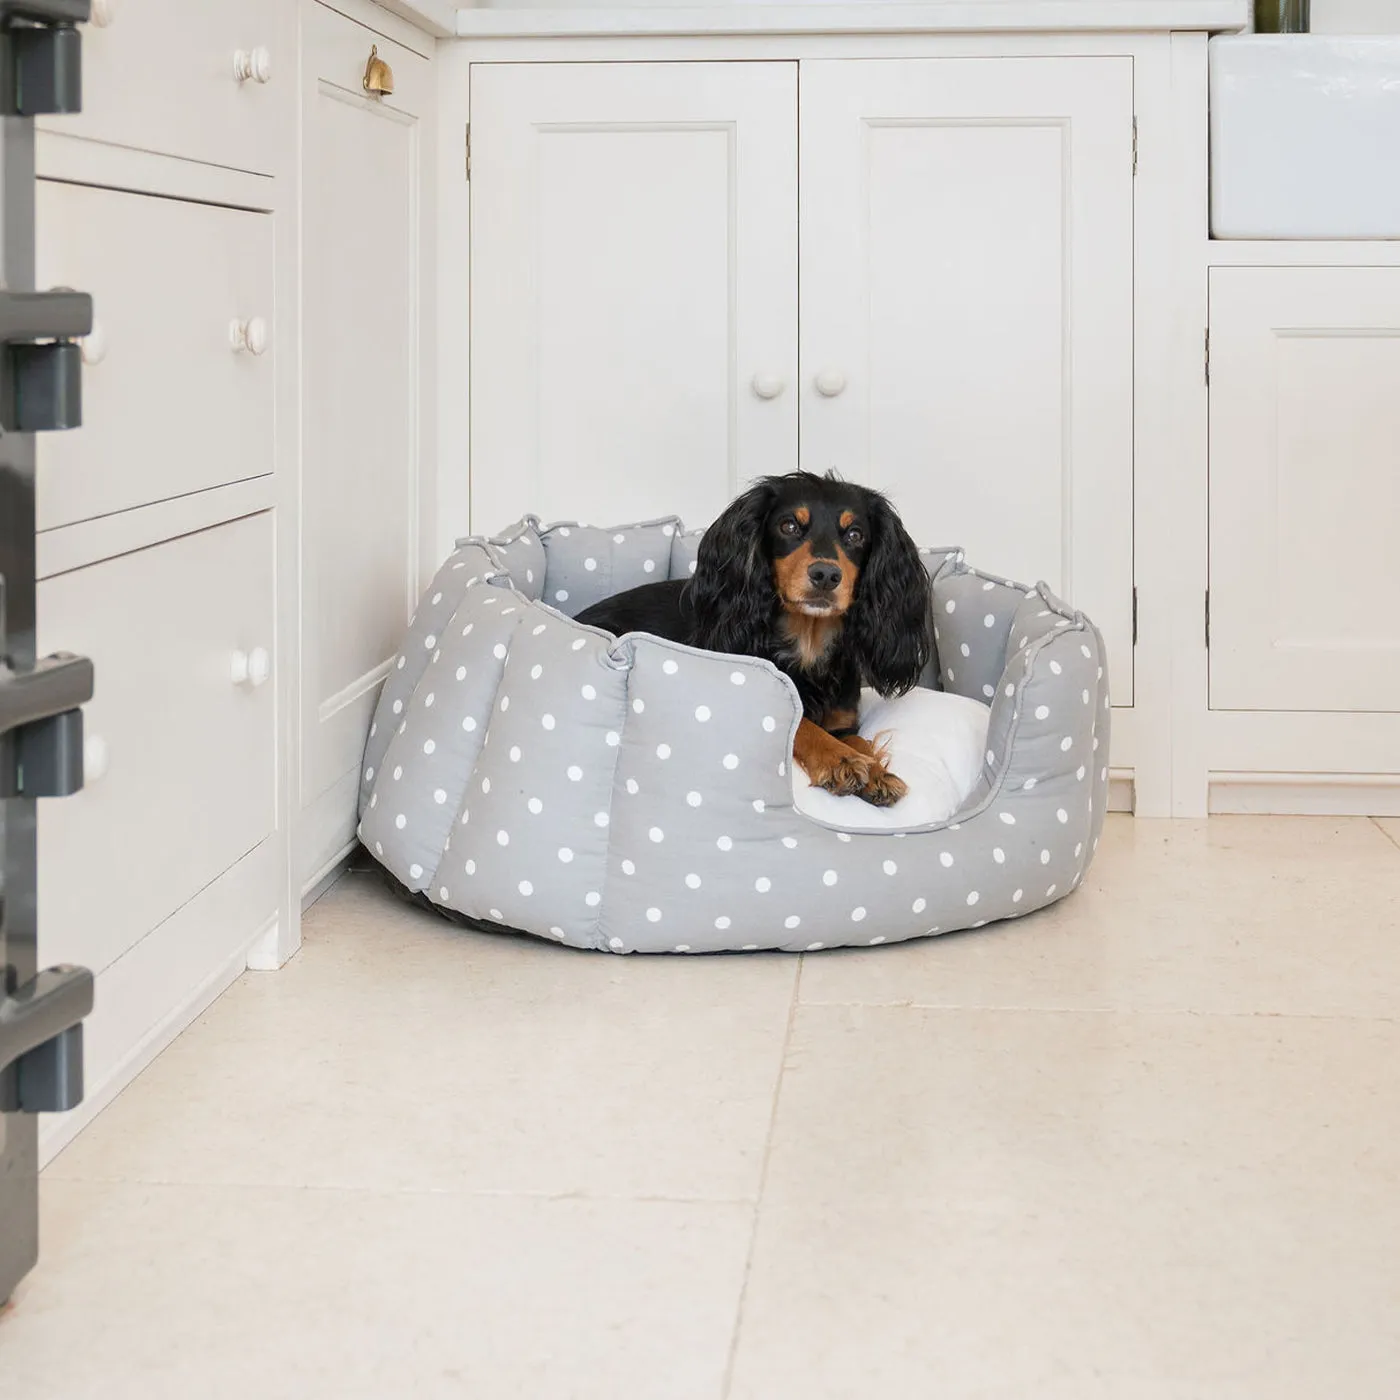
[789,527]
[855,535]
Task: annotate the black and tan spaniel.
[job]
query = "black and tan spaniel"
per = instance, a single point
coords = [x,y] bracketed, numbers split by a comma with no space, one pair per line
[819,577]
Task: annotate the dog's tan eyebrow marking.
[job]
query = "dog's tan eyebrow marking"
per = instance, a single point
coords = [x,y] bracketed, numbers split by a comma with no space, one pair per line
[847,519]
[804,516]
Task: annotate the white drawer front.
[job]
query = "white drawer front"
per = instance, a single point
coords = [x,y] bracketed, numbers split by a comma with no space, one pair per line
[180,758]
[159,75]
[170,406]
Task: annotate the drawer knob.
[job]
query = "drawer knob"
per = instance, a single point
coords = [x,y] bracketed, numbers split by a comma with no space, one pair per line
[250,667]
[101,15]
[93,346]
[767,386]
[249,335]
[94,758]
[830,382]
[255,64]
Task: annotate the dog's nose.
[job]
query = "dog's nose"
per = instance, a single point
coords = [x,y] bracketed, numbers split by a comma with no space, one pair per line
[824,576]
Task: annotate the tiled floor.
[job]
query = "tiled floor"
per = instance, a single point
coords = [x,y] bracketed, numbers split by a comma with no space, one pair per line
[1145,1144]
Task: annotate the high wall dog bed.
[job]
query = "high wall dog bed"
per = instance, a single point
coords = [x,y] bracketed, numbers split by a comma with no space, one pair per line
[634,795]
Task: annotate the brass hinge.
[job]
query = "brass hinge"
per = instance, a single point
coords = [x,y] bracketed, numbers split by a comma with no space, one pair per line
[1207,354]
[1207,619]
[1135,615]
[468,143]
[1135,158]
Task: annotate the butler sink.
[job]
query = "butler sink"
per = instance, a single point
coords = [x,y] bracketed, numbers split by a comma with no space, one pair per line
[1304,136]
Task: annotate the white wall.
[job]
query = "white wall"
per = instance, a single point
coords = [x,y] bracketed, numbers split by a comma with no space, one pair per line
[1356,16]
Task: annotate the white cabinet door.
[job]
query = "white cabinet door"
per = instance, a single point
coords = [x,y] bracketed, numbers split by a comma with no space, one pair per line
[164,75]
[361,381]
[173,403]
[179,738]
[1304,488]
[967,305]
[634,287]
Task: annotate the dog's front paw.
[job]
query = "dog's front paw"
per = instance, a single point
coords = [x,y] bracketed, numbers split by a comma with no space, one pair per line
[849,776]
[883,789]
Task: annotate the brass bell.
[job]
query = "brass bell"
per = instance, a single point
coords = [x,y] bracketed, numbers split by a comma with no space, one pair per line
[379,77]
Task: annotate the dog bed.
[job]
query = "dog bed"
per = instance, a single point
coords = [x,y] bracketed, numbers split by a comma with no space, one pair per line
[527,773]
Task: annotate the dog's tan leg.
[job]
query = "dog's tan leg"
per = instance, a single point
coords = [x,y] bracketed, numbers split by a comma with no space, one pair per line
[829,762]
[848,767]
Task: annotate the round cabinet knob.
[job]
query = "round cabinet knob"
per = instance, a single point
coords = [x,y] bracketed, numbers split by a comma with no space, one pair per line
[93,346]
[250,667]
[255,64]
[829,383]
[94,757]
[767,386]
[101,14]
[249,335]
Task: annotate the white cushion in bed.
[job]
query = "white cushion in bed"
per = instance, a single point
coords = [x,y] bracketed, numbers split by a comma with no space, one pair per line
[936,742]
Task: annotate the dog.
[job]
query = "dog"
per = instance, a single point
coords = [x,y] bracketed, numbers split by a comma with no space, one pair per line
[820,577]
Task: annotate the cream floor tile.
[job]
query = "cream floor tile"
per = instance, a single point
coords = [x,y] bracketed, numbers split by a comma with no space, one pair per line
[399,1051]
[1391,827]
[1297,915]
[1078,1204]
[173,1292]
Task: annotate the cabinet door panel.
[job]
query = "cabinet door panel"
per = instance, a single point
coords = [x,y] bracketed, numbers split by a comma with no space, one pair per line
[634,269]
[159,75]
[181,757]
[168,370]
[1304,488]
[967,269]
[361,385]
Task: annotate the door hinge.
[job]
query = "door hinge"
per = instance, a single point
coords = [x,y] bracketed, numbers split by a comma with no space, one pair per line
[1135,146]
[468,143]
[1135,616]
[1207,354]
[1207,619]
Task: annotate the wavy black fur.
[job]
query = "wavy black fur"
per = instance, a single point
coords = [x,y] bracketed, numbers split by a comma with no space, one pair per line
[733,602]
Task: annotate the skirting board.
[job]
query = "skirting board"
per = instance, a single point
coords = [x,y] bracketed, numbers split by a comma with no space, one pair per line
[1122,793]
[57,1133]
[328,875]
[1306,794]
[53,1139]
[325,831]
[162,984]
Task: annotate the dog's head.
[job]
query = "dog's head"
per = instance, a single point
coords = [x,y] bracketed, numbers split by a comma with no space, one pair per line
[817,537]
[816,547]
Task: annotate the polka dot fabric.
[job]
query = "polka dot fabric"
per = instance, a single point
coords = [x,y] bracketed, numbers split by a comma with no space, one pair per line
[685,549]
[525,772]
[935,562]
[587,564]
[520,553]
[972,622]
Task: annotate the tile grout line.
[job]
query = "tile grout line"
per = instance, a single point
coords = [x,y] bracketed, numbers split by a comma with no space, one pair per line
[490,1193]
[793,1004]
[1385,831]
[1009,1008]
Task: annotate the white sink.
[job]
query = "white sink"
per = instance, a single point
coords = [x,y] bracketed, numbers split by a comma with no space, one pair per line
[1304,136]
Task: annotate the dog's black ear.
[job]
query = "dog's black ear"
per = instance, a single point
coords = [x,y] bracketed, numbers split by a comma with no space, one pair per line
[890,624]
[732,591]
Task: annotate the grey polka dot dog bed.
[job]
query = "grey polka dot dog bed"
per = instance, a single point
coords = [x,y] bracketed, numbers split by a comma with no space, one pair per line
[527,773]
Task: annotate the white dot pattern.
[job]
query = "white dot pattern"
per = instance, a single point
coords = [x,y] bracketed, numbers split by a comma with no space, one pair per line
[541,723]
